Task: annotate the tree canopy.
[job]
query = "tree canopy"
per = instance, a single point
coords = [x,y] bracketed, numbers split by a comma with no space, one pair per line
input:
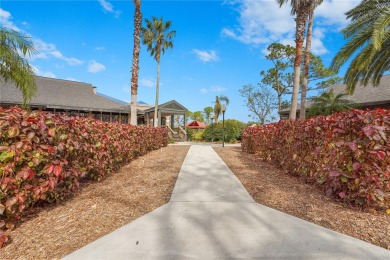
[14,47]
[368,44]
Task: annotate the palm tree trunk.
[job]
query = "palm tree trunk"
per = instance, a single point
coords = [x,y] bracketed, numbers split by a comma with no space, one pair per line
[302,113]
[135,64]
[299,38]
[155,120]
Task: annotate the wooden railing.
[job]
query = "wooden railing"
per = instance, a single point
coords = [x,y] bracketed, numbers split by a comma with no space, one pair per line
[182,134]
[171,133]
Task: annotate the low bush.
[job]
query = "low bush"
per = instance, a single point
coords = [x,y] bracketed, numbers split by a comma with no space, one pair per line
[197,136]
[233,131]
[44,156]
[347,153]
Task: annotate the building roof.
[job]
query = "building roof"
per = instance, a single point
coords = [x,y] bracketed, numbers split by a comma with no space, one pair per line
[196,125]
[172,106]
[363,96]
[63,94]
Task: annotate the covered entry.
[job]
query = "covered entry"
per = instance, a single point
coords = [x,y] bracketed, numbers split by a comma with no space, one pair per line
[166,115]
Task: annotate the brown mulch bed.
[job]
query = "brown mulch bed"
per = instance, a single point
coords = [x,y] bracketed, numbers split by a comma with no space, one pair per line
[275,188]
[99,208]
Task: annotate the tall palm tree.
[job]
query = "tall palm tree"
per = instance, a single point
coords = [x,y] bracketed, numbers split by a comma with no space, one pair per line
[314,4]
[330,102]
[218,106]
[369,40]
[135,65]
[301,8]
[15,67]
[158,38]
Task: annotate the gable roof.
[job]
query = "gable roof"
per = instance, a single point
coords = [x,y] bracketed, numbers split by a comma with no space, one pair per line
[172,105]
[363,95]
[196,125]
[62,94]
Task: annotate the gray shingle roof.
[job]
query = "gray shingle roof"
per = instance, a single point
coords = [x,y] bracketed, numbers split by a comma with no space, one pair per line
[62,94]
[364,96]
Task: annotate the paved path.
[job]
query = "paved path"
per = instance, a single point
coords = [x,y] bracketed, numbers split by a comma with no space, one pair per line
[211,216]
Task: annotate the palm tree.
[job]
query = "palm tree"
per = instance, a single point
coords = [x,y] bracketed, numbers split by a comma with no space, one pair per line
[330,102]
[135,65]
[158,38]
[368,31]
[15,67]
[314,4]
[301,8]
[218,106]
[207,113]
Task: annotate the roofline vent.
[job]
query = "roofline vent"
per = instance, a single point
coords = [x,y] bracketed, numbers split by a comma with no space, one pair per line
[94,89]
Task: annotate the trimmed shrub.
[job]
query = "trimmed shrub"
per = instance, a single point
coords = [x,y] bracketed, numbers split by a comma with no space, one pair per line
[190,133]
[233,131]
[44,156]
[197,136]
[347,153]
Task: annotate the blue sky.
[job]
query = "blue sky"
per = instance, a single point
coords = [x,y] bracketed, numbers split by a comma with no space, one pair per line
[219,45]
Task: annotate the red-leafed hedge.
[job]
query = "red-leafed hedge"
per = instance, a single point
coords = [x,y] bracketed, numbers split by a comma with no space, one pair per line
[44,156]
[347,153]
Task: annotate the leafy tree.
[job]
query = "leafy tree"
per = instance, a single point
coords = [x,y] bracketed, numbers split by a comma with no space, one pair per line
[158,39]
[207,113]
[280,77]
[14,47]
[369,44]
[233,131]
[198,116]
[301,8]
[218,106]
[329,102]
[286,104]
[304,85]
[277,77]
[260,101]
[135,64]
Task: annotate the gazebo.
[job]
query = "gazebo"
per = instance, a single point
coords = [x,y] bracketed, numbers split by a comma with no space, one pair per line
[196,125]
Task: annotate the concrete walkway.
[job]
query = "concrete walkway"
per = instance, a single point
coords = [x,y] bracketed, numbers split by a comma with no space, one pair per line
[211,216]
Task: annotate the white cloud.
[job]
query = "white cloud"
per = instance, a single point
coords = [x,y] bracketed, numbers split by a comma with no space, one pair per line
[263,22]
[260,22]
[317,46]
[95,67]
[5,20]
[49,50]
[203,91]
[100,48]
[147,83]
[47,74]
[332,12]
[206,56]
[214,89]
[108,7]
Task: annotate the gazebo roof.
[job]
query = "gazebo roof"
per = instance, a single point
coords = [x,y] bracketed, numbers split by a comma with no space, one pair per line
[196,125]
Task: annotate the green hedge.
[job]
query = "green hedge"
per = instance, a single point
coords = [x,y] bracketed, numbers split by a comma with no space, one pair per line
[233,131]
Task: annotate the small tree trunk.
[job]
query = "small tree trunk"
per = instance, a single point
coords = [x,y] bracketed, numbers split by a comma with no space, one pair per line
[302,112]
[155,121]
[135,64]
[299,38]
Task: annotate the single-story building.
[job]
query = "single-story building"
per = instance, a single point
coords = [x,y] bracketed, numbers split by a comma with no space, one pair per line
[82,99]
[366,97]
